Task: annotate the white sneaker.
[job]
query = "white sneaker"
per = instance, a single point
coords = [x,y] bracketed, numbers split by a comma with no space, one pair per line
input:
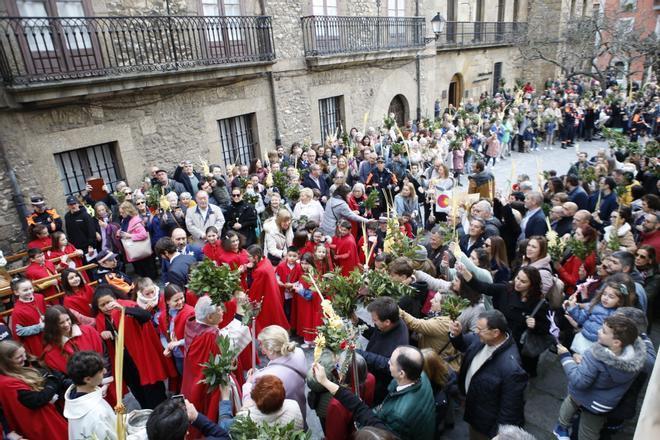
[551,148]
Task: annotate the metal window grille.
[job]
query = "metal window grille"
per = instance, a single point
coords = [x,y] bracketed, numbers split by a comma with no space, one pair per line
[76,166]
[330,117]
[236,139]
[497,76]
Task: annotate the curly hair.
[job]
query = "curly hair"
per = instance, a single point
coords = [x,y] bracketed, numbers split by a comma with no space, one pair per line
[268,394]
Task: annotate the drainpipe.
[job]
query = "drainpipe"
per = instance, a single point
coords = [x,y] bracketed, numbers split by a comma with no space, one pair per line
[271,81]
[17,196]
[418,73]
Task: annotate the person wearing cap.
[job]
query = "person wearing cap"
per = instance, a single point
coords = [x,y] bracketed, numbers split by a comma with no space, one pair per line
[168,184]
[107,273]
[44,216]
[381,179]
[187,176]
[80,227]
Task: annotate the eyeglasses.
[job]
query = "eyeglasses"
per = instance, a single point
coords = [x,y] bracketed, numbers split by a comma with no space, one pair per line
[128,193]
[140,203]
[235,195]
[641,256]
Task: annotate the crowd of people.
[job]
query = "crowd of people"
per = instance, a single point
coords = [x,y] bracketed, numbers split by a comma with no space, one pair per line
[564,261]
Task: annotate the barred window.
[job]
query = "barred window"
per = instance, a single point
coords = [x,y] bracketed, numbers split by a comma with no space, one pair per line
[76,166]
[237,139]
[330,115]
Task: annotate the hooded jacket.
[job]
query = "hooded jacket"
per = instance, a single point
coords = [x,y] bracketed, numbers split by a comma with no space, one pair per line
[599,382]
[89,416]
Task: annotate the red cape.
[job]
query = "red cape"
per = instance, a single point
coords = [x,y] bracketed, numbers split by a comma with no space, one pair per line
[80,300]
[213,252]
[69,249]
[26,314]
[339,421]
[36,272]
[40,243]
[264,288]
[179,320]
[41,423]
[308,314]
[57,357]
[346,246]
[234,260]
[288,274]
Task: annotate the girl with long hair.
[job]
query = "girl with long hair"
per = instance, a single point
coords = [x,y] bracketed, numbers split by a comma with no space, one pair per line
[499,261]
[25,396]
[69,256]
[64,336]
[78,296]
[174,313]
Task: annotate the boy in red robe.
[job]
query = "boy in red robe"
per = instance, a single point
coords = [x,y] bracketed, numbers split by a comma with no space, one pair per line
[201,334]
[346,252]
[40,268]
[262,284]
[372,242]
[288,272]
[27,319]
[307,303]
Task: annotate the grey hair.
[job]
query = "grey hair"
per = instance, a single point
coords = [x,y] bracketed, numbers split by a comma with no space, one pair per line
[511,432]
[485,206]
[204,308]
[185,195]
[359,186]
[526,186]
[536,196]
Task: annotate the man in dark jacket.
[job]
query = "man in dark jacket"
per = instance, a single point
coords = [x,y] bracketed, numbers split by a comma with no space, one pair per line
[43,215]
[475,237]
[179,264]
[388,333]
[80,227]
[187,176]
[533,223]
[576,193]
[241,217]
[168,184]
[491,376]
[315,180]
[381,179]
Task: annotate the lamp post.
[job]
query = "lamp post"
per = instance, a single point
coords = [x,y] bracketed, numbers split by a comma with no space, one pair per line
[438,24]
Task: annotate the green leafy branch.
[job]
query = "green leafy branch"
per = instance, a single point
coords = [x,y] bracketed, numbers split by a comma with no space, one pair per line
[244,428]
[218,282]
[219,366]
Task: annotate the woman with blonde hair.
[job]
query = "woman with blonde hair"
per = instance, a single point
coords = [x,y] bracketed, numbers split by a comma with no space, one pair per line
[406,200]
[286,361]
[26,394]
[132,227]
[278,236]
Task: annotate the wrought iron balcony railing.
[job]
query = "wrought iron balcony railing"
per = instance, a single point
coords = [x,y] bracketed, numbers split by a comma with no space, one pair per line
[42,49]
[329,35]
[460,34]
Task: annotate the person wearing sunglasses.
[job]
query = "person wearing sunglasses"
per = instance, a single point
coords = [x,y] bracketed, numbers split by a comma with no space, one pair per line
[647,264]
[241,217]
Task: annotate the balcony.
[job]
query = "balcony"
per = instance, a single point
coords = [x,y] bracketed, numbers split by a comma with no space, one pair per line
[473,35]
[332,40]
[39,53]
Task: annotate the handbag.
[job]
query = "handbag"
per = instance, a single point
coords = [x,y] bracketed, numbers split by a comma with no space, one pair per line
[137,250]
[533,344]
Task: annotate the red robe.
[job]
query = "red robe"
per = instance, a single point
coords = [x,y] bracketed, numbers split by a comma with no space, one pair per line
[200,344]
[234,260]
[26,314]
[42,423]
[57,357]
[179,320]
[36,272]
[363,257]
[213,252]
[69,249]
[40,243]
[569,272]
[354,205]
[80,300]
[191,298]
[346,253]
[308,313]
[339,421]
[286,274]
[308,248]
[264,288]
[142,344]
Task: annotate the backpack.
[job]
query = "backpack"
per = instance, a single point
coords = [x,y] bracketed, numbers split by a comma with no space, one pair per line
[555,295]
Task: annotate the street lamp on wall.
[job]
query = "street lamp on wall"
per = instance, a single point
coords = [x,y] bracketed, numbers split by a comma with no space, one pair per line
[438,25]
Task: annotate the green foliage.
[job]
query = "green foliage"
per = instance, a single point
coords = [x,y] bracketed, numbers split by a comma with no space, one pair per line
[389,122]
[398,148]
[244,428]
[292,192]
[120,196]
[251,198]
[219,366]
[153,196]
[652,149]
[453,305]
[372,201]
[614,242]
[280,181]
[579,248]
[587,174]
[251,310]
[219,282]
[455,144]
[380,284]
[243,181]
[341,290]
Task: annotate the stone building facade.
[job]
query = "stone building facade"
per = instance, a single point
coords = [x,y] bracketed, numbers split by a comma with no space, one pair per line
[133,119]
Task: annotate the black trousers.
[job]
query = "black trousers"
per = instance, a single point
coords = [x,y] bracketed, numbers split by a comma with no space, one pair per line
[148,396]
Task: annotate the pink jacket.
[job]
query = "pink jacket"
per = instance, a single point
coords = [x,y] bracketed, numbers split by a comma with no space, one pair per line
[137,231]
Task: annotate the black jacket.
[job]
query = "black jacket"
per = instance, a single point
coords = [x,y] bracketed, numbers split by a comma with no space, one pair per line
[414,304]
[467,248]
[184,180]
[322,186]
[496,394]
[80,229]
[246,215]
[564,226]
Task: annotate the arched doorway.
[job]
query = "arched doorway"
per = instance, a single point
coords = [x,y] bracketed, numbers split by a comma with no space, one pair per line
[399,106]
[455,94]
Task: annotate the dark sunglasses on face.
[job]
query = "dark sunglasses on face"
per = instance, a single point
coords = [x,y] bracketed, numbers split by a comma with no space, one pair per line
[235,195]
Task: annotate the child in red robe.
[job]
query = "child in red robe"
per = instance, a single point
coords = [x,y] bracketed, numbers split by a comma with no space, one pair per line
[172,318]
[372,243]
[288,272]
[234,255]
[346,252]
[27,319]
[262,284]
[20,384]
[307,303]
[63,337]
[62,249]
[145,366]
[39,268]
[39,237]
[78,296]
[213,248]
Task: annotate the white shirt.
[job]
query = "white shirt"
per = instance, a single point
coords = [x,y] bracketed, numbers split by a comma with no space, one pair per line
[403,387]
[479,360]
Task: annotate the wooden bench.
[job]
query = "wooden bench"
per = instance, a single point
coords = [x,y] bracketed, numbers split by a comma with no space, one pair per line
[21,255]
[22,269]
[7,290]
[48,298]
